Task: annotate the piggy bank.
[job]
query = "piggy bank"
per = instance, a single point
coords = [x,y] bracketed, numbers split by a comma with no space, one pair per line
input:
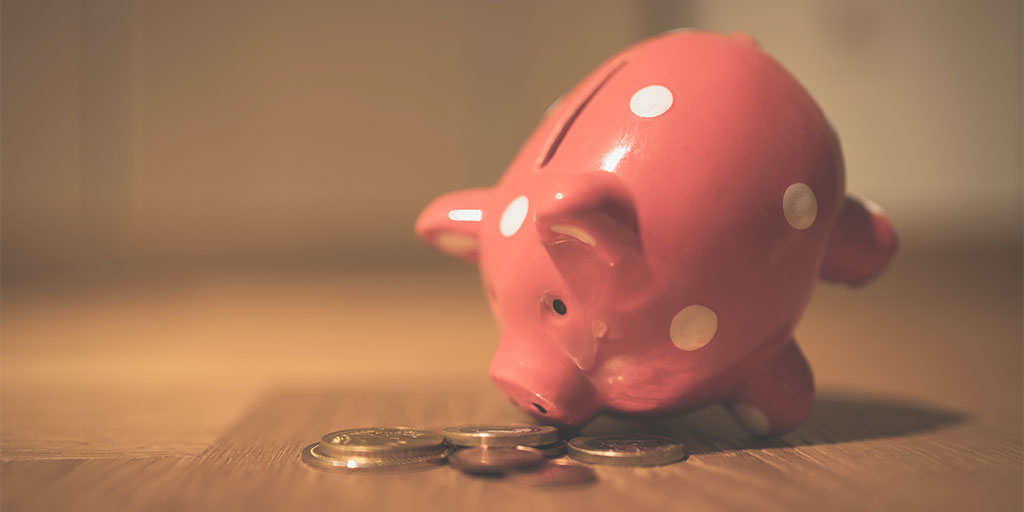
[653,244]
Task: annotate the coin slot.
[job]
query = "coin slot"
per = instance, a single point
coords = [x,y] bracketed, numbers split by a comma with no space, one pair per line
[564,128]
[538,406]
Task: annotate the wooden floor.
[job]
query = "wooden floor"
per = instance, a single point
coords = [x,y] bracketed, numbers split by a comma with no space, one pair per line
[196,392]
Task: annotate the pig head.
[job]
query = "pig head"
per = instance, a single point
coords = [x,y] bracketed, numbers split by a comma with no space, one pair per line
[653,244]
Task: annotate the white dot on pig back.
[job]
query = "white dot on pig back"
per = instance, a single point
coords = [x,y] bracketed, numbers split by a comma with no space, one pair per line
[693,327]
[455,243]
[651,101]
[514,215]
[799,206]
[752,418]
[871,206]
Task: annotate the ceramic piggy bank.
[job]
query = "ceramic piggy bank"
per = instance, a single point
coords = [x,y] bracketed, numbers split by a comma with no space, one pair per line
[653,244]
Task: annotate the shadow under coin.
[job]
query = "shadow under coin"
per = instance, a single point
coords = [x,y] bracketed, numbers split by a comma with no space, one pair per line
[837,417]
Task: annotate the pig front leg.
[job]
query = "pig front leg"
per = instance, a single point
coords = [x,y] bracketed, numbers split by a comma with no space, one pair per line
[861,245]
[778,397]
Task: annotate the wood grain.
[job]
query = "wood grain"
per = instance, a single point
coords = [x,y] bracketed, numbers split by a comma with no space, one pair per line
[198,394]
[856,452]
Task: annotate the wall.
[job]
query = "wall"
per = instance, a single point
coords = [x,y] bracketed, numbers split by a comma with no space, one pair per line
[172,134]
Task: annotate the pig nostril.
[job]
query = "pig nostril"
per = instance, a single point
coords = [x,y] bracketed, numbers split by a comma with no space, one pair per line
[539,408]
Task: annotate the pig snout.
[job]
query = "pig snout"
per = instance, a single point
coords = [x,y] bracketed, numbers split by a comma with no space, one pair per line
[545,385]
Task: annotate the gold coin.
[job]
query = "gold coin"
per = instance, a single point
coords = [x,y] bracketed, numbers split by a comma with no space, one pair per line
[381,441]
[501,435]
[499,460]
[626,450]
[314,457]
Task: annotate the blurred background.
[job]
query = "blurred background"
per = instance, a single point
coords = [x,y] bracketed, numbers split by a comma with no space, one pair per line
[219,196]
[197,134]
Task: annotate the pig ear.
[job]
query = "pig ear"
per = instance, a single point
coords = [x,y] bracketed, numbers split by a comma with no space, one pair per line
[588,225]
[451,223]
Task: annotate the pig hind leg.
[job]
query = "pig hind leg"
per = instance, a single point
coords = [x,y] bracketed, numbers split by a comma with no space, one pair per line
[778,397]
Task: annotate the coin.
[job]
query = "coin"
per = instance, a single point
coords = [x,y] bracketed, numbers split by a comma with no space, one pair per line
[313,456]
[501,435]
[555,449]
[499,460]
[381,442]
[626,450]
[554,473]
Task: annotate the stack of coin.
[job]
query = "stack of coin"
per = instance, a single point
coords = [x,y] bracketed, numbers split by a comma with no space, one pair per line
[377,448]
[541,437]
[515,450]
[495,460]
[522,451]
[626,450]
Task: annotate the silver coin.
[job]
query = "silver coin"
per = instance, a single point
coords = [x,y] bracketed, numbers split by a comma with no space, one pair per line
[381,441]
[483,460]
[554,473]
[501,435]
[626,450]
[315,457]
[555,449]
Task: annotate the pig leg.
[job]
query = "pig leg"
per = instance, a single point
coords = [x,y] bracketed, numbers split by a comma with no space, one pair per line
[861,245]
[778,397]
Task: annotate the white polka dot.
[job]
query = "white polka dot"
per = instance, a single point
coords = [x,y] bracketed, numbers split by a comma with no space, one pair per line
[693,327]
[553,105]
[799,206]
[871,206]
[455,243]
[515,214]
[651,101]
[678,30]
[752,418]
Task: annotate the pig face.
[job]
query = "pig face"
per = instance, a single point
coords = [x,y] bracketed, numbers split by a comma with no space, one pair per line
[656,239]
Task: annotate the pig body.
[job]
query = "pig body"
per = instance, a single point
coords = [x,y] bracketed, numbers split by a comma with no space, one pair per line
[653,244]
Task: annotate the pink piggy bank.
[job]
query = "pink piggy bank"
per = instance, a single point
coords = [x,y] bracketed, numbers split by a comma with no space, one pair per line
[653,244]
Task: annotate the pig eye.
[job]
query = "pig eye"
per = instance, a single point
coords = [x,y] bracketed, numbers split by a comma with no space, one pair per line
[559,306]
